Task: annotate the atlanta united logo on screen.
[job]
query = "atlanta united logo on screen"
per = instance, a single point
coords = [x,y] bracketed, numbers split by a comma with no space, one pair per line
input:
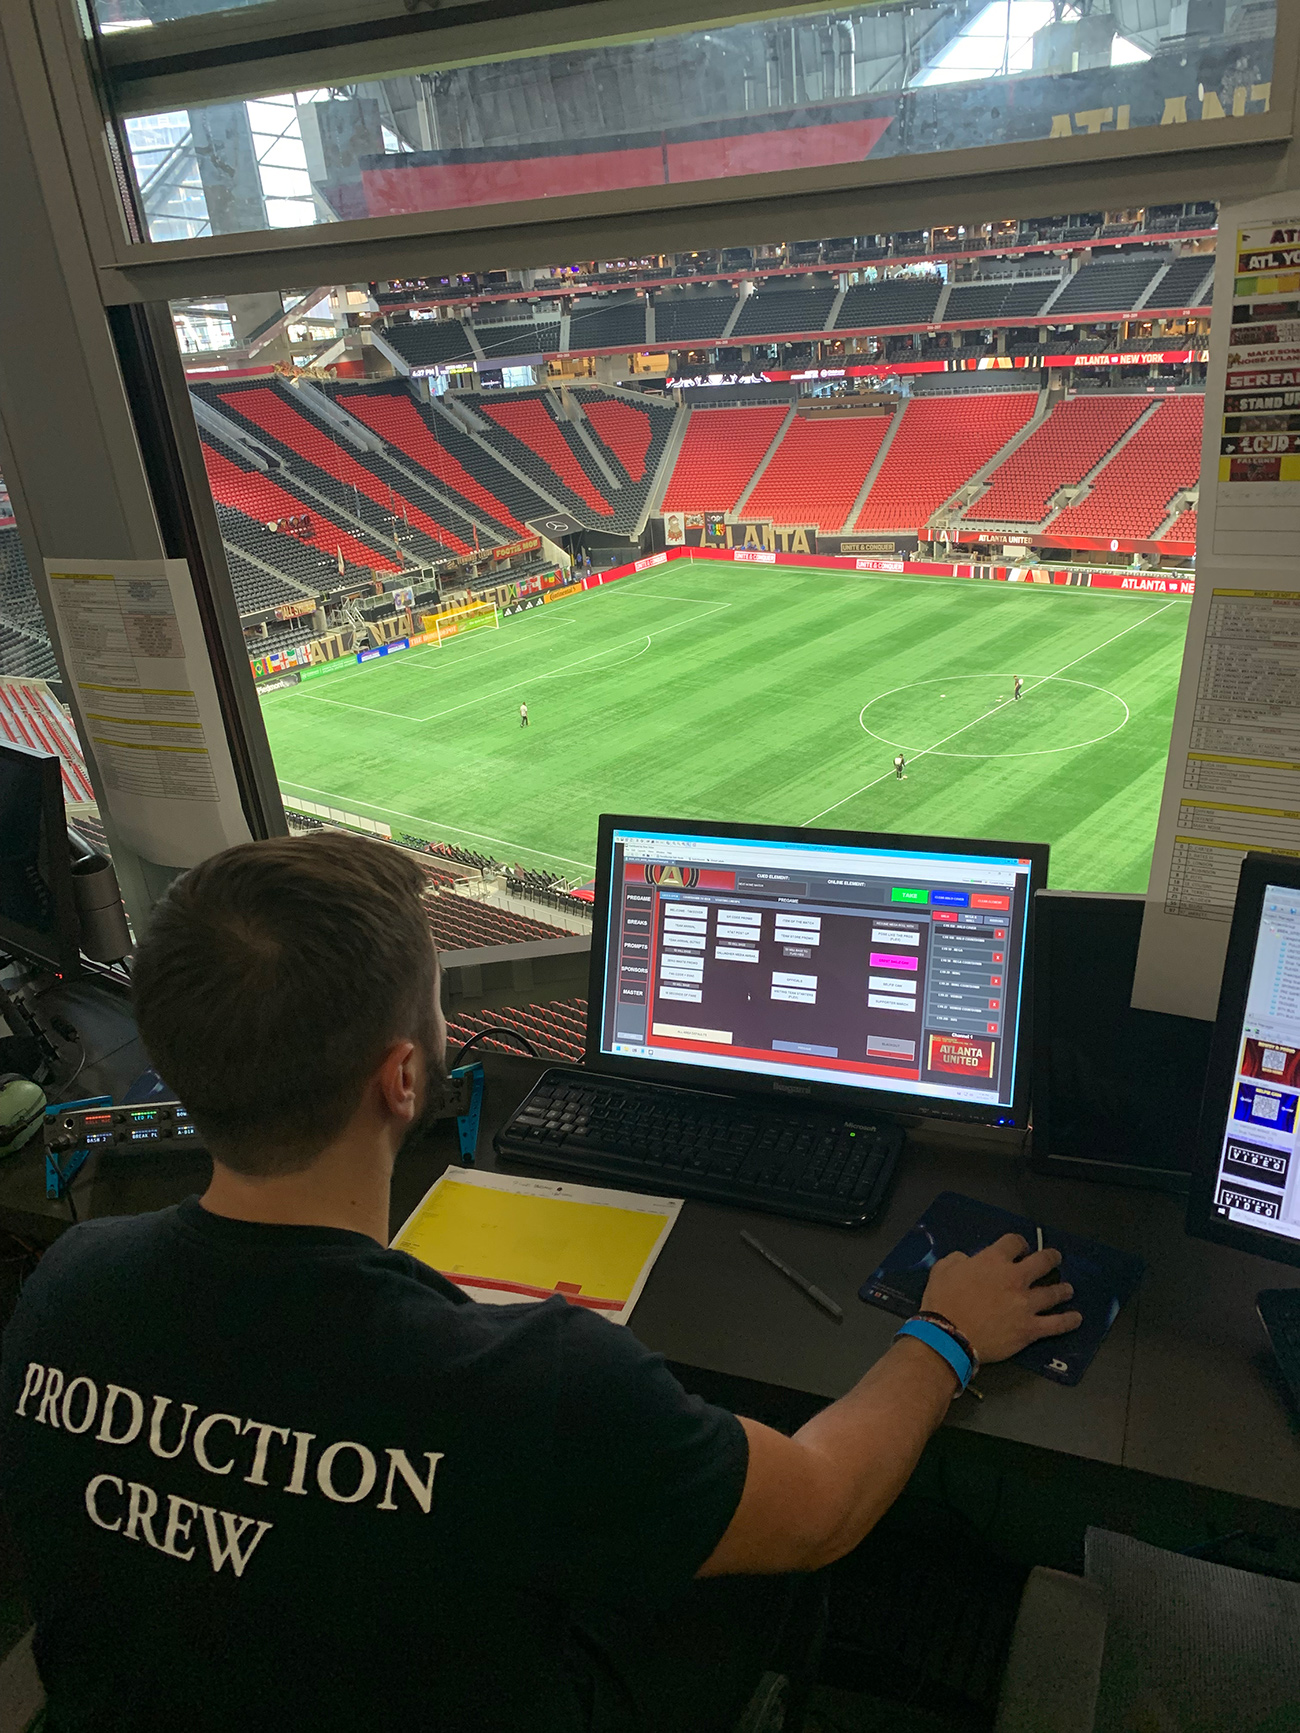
[678,878]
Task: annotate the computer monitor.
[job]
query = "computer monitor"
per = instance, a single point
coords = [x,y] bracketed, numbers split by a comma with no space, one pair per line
[837,965]
[38,911]
[1245,1188]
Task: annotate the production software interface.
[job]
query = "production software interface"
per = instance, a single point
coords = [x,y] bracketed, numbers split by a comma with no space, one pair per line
[847,965]
[1258,1183]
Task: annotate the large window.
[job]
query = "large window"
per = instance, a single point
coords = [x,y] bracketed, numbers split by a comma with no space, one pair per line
[724,534]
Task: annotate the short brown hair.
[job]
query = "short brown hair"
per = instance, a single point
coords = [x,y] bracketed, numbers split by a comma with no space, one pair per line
[270,982]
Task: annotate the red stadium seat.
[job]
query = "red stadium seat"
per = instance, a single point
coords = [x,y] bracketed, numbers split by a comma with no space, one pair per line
[1073,440]
[1131,497]
[818,469]
[625,429]
[722,449]
[397,420]
[249,491]
[528,419]
[941,443]
[268,410]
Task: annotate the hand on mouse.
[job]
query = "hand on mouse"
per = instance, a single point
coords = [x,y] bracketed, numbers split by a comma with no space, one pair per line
[992,1300]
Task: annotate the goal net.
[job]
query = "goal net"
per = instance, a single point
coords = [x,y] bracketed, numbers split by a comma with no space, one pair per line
[476,617]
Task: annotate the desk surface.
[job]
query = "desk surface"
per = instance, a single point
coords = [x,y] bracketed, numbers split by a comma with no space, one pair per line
[1183,1386]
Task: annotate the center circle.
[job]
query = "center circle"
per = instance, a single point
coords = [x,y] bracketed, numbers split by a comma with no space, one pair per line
[924,715]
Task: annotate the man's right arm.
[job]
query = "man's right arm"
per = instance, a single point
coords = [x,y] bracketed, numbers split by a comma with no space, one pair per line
[810,1499]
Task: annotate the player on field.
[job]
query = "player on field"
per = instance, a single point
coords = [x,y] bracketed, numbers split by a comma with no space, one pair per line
[1019,683]
[523,716]
[900,766]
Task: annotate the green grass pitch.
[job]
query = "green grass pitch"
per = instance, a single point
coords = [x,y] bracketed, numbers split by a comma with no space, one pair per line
[772,694]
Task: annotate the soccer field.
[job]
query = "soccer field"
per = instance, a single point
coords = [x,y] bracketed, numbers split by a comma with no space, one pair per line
[758,693]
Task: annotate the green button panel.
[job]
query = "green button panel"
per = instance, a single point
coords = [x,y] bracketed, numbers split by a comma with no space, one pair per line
[906,894]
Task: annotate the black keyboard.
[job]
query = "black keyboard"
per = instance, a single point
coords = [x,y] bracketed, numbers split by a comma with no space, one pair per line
[1279,1311]
[801,1162]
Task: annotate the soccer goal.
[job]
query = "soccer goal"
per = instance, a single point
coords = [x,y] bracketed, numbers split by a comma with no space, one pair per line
[475,617]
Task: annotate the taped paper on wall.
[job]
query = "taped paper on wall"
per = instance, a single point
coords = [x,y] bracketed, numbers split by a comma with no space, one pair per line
[133,642]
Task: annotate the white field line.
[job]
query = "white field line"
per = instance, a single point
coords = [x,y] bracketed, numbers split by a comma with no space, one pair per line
[427,650]
[337,800]
[409,659]
[984,718]
[516,685]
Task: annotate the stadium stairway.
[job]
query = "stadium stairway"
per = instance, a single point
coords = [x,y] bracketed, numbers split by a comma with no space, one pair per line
[1079,434]
[817,470]
[761,469]
[263,501]
[719,454]
[391,415]
[635,432]
[940,443]
[452,425]
[310,445]
[526,429]
[1132,492]
[1180,528]
[326,501]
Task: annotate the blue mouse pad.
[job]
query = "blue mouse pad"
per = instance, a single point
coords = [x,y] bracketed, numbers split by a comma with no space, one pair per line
[1103,1278]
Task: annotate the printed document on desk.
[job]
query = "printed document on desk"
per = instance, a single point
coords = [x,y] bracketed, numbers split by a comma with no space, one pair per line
[505,1238]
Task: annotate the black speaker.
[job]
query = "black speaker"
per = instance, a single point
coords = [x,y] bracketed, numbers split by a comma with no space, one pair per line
[1116,1092]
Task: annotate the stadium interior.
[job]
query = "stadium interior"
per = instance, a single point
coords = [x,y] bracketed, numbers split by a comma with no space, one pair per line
[773,530]
[1011,395]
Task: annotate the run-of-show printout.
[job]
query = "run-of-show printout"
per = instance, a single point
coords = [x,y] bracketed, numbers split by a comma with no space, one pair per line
[147,702]
[1232,782]
[844,965]
[1258,1180]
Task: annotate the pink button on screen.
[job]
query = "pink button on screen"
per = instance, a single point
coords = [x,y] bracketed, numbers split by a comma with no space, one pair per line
[887,960]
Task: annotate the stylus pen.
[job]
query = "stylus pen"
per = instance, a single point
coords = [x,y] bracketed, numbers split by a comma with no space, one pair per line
[813,1292]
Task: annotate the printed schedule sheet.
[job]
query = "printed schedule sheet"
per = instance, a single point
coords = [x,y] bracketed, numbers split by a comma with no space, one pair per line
[131,633]
[1233,785]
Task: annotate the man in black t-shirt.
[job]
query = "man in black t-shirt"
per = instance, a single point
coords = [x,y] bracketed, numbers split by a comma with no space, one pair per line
[267,1474]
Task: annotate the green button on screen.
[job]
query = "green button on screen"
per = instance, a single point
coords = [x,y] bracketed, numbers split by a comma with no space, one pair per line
[905,894]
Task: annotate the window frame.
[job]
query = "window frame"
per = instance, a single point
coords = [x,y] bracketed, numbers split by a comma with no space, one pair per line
[1225,159]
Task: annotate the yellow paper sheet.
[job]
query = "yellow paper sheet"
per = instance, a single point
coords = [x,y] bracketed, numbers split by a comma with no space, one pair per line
[505,1239]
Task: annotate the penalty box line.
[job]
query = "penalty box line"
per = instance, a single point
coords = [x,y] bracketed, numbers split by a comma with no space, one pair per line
[397,716]
[1042,680]
[530,679]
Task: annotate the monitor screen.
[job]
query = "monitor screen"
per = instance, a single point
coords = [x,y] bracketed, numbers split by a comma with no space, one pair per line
[38,916]
[867,963]
[1257,1181]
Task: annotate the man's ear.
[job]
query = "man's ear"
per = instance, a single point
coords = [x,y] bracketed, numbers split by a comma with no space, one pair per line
[398,1080]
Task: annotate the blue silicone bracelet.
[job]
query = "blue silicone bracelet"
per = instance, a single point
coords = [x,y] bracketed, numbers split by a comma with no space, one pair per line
[944,1346]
